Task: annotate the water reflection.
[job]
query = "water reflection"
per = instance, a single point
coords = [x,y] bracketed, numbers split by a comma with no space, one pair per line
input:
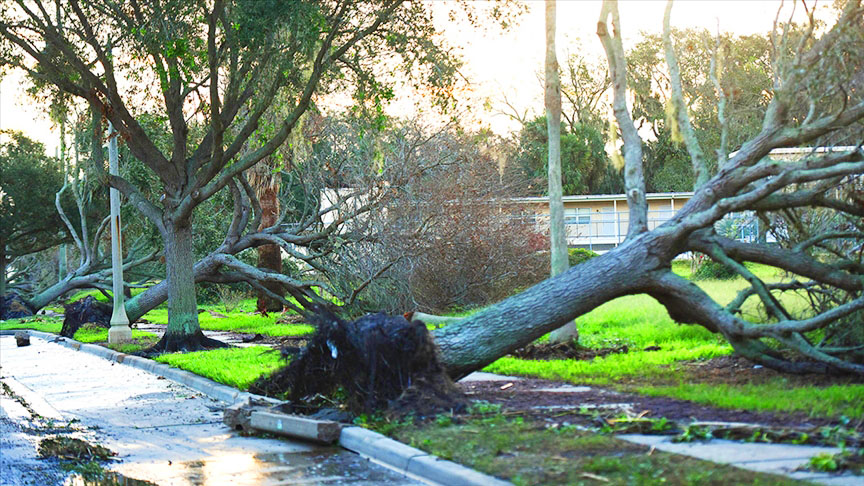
[107,479]
[324,466]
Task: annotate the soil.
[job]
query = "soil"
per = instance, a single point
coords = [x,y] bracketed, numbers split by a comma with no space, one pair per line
[526,397]
[735,370]
[547,351]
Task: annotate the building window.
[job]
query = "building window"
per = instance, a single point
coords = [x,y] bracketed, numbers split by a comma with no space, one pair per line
[577,216]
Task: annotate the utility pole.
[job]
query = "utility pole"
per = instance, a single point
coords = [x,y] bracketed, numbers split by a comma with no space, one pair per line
[120,330]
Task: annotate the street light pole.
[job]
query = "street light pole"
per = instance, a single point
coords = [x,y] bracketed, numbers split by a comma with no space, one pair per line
[120,330]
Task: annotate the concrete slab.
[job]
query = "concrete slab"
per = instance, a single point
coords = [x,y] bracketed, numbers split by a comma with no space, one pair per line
[564,389]
[483,376]
[781,459]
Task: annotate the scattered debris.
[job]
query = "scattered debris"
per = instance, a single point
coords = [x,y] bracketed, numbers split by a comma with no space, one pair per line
[72,449]
[565,350]
[251,338]
[22,338]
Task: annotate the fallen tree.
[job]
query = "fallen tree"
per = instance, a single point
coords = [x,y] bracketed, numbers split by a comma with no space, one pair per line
[817,100]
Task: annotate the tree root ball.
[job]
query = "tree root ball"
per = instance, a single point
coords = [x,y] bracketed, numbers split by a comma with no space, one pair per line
[377,362]
[12,306]
[85,311]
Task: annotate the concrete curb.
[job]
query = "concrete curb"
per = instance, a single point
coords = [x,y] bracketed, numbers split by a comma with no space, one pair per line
[412,462]
[372,445]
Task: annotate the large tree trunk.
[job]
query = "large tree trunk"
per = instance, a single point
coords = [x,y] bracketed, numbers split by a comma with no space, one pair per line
[557,231]
[474,342]
[183,332]
[2,268]
[269,256]
[53,292]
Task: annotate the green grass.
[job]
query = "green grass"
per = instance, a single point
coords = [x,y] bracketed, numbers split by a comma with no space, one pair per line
[528,453]
[237,367]
[238,321]
[100,335]
[84,335]
[775,396]
[44,324]
[609,369]
[96,294]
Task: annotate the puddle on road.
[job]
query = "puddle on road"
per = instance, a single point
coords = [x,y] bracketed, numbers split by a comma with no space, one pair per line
[324,467]
[107,479]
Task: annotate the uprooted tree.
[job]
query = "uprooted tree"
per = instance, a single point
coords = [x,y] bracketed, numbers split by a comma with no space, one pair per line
[816,101]
[814,203]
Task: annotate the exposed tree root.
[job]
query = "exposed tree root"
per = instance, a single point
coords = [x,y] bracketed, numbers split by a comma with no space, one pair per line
[84,311]
[376,362]
[12,306]
[172,343]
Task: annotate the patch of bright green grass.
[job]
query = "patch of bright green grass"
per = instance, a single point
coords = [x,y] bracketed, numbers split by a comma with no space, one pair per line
[96,294]
[39,323]
[609,369]
[239,321]
[775,396]
[529,454]
[100,335]
[237,367]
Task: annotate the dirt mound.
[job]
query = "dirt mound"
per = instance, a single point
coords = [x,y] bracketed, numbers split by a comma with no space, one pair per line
[12,306]
[85,311]
[546,351]
[376,362]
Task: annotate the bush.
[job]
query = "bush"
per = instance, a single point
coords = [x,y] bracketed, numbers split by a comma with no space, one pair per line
[579,255]
[710,270]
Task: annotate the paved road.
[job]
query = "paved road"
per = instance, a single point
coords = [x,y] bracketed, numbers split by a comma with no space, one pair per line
[163,432]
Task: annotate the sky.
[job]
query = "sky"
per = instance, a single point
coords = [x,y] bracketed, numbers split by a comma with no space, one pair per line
[497,64]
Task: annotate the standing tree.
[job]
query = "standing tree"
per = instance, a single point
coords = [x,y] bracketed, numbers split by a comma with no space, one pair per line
[214,68]
[557,231]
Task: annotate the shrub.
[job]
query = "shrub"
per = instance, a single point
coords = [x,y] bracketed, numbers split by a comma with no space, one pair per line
[579,255]
[708,269]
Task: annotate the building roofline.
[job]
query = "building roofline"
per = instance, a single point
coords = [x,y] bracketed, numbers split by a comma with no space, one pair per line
[806,150]
[605,197]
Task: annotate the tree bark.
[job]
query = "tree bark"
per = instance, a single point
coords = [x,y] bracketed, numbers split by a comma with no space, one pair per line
[557,231]
[269,256]
[2,269]
[183,332]
[474,342]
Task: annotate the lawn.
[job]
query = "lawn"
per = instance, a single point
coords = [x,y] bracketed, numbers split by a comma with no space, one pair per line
[237,367]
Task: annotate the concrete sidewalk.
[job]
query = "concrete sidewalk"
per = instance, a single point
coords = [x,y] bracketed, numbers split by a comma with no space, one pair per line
[781,459]
[163,432]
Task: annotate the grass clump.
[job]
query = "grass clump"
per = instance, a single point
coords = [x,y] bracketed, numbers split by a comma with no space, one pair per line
[236,367]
